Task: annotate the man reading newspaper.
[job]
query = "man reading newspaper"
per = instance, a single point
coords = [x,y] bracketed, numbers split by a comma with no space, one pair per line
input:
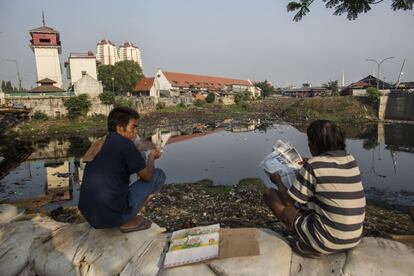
[329,186]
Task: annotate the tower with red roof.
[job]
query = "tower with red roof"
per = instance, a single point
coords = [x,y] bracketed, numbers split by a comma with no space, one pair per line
[46,45]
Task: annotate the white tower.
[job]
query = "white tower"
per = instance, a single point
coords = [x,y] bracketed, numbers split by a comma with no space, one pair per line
[45,44]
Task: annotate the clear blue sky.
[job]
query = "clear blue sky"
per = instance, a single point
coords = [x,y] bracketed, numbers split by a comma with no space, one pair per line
[230,38]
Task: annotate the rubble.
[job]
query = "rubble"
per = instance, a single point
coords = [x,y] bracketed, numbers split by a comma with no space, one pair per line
[185,205]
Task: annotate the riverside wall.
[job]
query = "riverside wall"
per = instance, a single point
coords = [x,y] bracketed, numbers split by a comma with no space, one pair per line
[397,106]
[53,106]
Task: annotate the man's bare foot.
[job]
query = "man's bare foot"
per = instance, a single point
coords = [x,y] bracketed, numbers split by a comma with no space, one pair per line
[138,223]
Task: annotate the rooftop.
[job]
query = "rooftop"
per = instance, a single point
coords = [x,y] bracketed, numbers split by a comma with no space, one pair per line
[44,29]
[128,44]
[89,54]
[187,80]
[105,41]
[144,85]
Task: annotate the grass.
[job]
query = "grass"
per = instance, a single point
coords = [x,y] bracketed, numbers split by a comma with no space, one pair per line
[338,109]
[63,126]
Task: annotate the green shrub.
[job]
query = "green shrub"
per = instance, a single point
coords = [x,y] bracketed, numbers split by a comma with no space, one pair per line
[40,116]
[241,97]
[77,106]
[199,103]
[210,97]
[182,105]
[160,105]
[123,102]
[373,92]
[107,98]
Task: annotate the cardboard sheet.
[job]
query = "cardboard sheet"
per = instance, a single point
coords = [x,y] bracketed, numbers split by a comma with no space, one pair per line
[238,242]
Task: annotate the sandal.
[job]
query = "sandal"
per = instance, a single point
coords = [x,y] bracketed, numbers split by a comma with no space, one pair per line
[138,223]
[295,245]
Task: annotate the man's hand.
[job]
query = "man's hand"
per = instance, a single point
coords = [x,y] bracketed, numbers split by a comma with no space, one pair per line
[145,145]
[156,153]
[275,178]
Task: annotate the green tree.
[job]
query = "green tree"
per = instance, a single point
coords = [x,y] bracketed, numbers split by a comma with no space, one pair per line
[77,106]
[107,98]
[210,97]
[333,87]
[351,7]
[3,86]
[266,87]
[8,88]
[120,77]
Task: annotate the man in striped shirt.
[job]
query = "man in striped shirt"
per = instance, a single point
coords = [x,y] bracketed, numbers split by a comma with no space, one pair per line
[329,187]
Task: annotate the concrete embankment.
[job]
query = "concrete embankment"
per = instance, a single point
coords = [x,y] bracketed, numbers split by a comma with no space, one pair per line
[38,245]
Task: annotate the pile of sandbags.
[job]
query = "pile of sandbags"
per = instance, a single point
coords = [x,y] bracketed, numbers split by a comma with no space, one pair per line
[38,245]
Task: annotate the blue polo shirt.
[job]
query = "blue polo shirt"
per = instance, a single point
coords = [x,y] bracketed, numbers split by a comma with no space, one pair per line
[103,196]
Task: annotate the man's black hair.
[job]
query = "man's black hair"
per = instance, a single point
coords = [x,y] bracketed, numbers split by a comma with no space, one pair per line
[120,116]
[326,136]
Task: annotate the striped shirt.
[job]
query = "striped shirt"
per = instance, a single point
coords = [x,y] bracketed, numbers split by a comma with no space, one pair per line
[330,186]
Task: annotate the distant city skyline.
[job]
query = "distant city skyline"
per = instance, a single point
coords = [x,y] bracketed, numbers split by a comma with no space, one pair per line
[237,39]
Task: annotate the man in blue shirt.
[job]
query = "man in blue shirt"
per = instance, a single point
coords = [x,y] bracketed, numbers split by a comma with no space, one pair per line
[106,198]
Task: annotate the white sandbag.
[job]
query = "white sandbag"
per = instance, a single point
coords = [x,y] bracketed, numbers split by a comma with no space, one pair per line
[54,253]
[274,258]
[377,256]
[189,270]
[16,239]
[7,213]
[149,260]
[327,265]
[82,250]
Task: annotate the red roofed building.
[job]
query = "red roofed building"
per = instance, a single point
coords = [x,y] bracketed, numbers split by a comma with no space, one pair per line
[144,87]
[171,84]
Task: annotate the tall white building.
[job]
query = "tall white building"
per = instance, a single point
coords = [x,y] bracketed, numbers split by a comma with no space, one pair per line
[46,46]
[106,52]
[129,51]
[79,64]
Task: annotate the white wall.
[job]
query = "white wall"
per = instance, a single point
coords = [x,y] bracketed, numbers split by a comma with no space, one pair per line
[160,83]
[2,98]
[77,65]
[48,65]
[88,85]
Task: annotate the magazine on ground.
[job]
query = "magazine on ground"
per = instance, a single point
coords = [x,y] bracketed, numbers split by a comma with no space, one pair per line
[193,245]
[284,160]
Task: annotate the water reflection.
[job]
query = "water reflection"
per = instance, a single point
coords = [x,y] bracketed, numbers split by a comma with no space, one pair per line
[224,152]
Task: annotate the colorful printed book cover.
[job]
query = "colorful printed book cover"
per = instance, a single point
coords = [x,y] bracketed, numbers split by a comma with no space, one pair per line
[193,245]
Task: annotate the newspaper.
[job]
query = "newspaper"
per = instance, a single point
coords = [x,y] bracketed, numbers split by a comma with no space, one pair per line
[284,160]
[193,245]
[159,144]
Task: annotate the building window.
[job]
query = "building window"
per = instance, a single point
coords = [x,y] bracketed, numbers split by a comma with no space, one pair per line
[43,40]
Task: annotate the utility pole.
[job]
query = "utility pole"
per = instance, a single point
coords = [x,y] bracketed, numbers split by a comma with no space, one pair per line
[18,72]
[400,75]
[379,67]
